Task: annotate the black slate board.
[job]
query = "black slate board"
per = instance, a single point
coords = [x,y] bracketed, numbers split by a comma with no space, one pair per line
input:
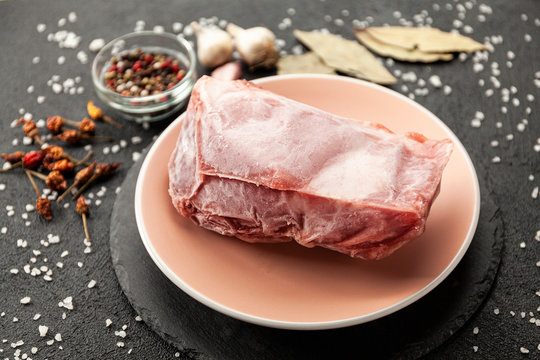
[202,333]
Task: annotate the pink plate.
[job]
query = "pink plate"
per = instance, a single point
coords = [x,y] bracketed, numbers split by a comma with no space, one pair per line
[287,285]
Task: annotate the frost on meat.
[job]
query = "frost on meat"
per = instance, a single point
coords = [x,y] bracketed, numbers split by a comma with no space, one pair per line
[264,168]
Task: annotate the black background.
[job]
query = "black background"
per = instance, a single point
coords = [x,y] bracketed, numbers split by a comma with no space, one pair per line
[84,334]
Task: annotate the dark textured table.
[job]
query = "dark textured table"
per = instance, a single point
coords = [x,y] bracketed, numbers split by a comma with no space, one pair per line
[502,149]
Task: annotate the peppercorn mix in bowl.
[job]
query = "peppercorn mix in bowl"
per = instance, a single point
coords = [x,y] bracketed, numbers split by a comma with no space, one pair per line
[147,76]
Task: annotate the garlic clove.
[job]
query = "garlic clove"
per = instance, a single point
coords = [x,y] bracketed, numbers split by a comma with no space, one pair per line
[255,45]
[228,71]
[214,46]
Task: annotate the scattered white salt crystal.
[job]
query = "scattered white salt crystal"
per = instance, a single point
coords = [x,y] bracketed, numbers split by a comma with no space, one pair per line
[41,27]
[534,192]
[40,99]
[523,350]
[34,350]
[435,80]
[522,245]
[496,311]
[527,38]
[91,284]
[82,57]
[108,322]
[56,88]
[510,55]
[96,45]
[36,317]
[50,342]
[120,344]
[476,123]
[43,330]
[26,300]
[496,160]
[72,17]
[138,318]
[475,348]
[177,27]
[120,333]
[61,60]
[475,330]
[447,90]
[135,155]
[510,137]
[58,337]
[30,89]
[61,22]
[14,271]
[106,150]
[159,29]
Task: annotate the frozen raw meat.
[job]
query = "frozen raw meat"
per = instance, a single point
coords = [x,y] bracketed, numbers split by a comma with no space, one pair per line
[264,168]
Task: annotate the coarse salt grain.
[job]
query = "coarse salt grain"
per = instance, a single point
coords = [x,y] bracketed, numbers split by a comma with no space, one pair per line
[72,17]
[41,27]
[120,344]
[91,284]
[496,160]
[26,300]
[58,337]
[40,99]
[527,38]
[523,350]
[96,45]
[534,192]
[120,333]
[108,322]
[447,90]
[435,80]
[43,330]
[475,330]
[522,245]
[496,311]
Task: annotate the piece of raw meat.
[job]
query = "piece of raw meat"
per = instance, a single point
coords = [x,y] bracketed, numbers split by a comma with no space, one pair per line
[264,168]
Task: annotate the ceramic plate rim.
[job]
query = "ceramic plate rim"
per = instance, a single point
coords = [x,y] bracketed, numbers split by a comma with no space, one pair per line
[319,325]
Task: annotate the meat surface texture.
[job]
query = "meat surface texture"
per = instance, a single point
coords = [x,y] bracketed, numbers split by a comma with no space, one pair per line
[263,168]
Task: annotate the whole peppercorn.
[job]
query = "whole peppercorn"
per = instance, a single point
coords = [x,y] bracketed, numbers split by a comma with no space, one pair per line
[33,159]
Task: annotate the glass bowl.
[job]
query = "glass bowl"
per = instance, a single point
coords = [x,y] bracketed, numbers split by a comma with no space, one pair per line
[151,107]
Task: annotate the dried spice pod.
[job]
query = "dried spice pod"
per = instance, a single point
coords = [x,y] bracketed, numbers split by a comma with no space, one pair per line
[30,129]
[63,165]
[43,205]
[397,52]
[426,39]
[84,210]
[97,114]
[81,177]
[54,181]
[87,126]
[102,170]
[74,137]
[14,157]
[308,63]
[346,56]
[33,159]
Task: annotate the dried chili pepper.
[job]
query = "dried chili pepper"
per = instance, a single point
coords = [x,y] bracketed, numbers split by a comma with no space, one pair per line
[14,157]
[97,114]
[83,209]
[81,177]
[102,170]
[55,124]
[33,159]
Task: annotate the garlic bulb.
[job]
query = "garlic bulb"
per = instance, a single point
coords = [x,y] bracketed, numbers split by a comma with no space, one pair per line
[255,45]
[214,46]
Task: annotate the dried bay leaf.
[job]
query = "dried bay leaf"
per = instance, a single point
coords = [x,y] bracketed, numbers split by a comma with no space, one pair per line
[308,63]
[425,39]
[346,56]
[397,52]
